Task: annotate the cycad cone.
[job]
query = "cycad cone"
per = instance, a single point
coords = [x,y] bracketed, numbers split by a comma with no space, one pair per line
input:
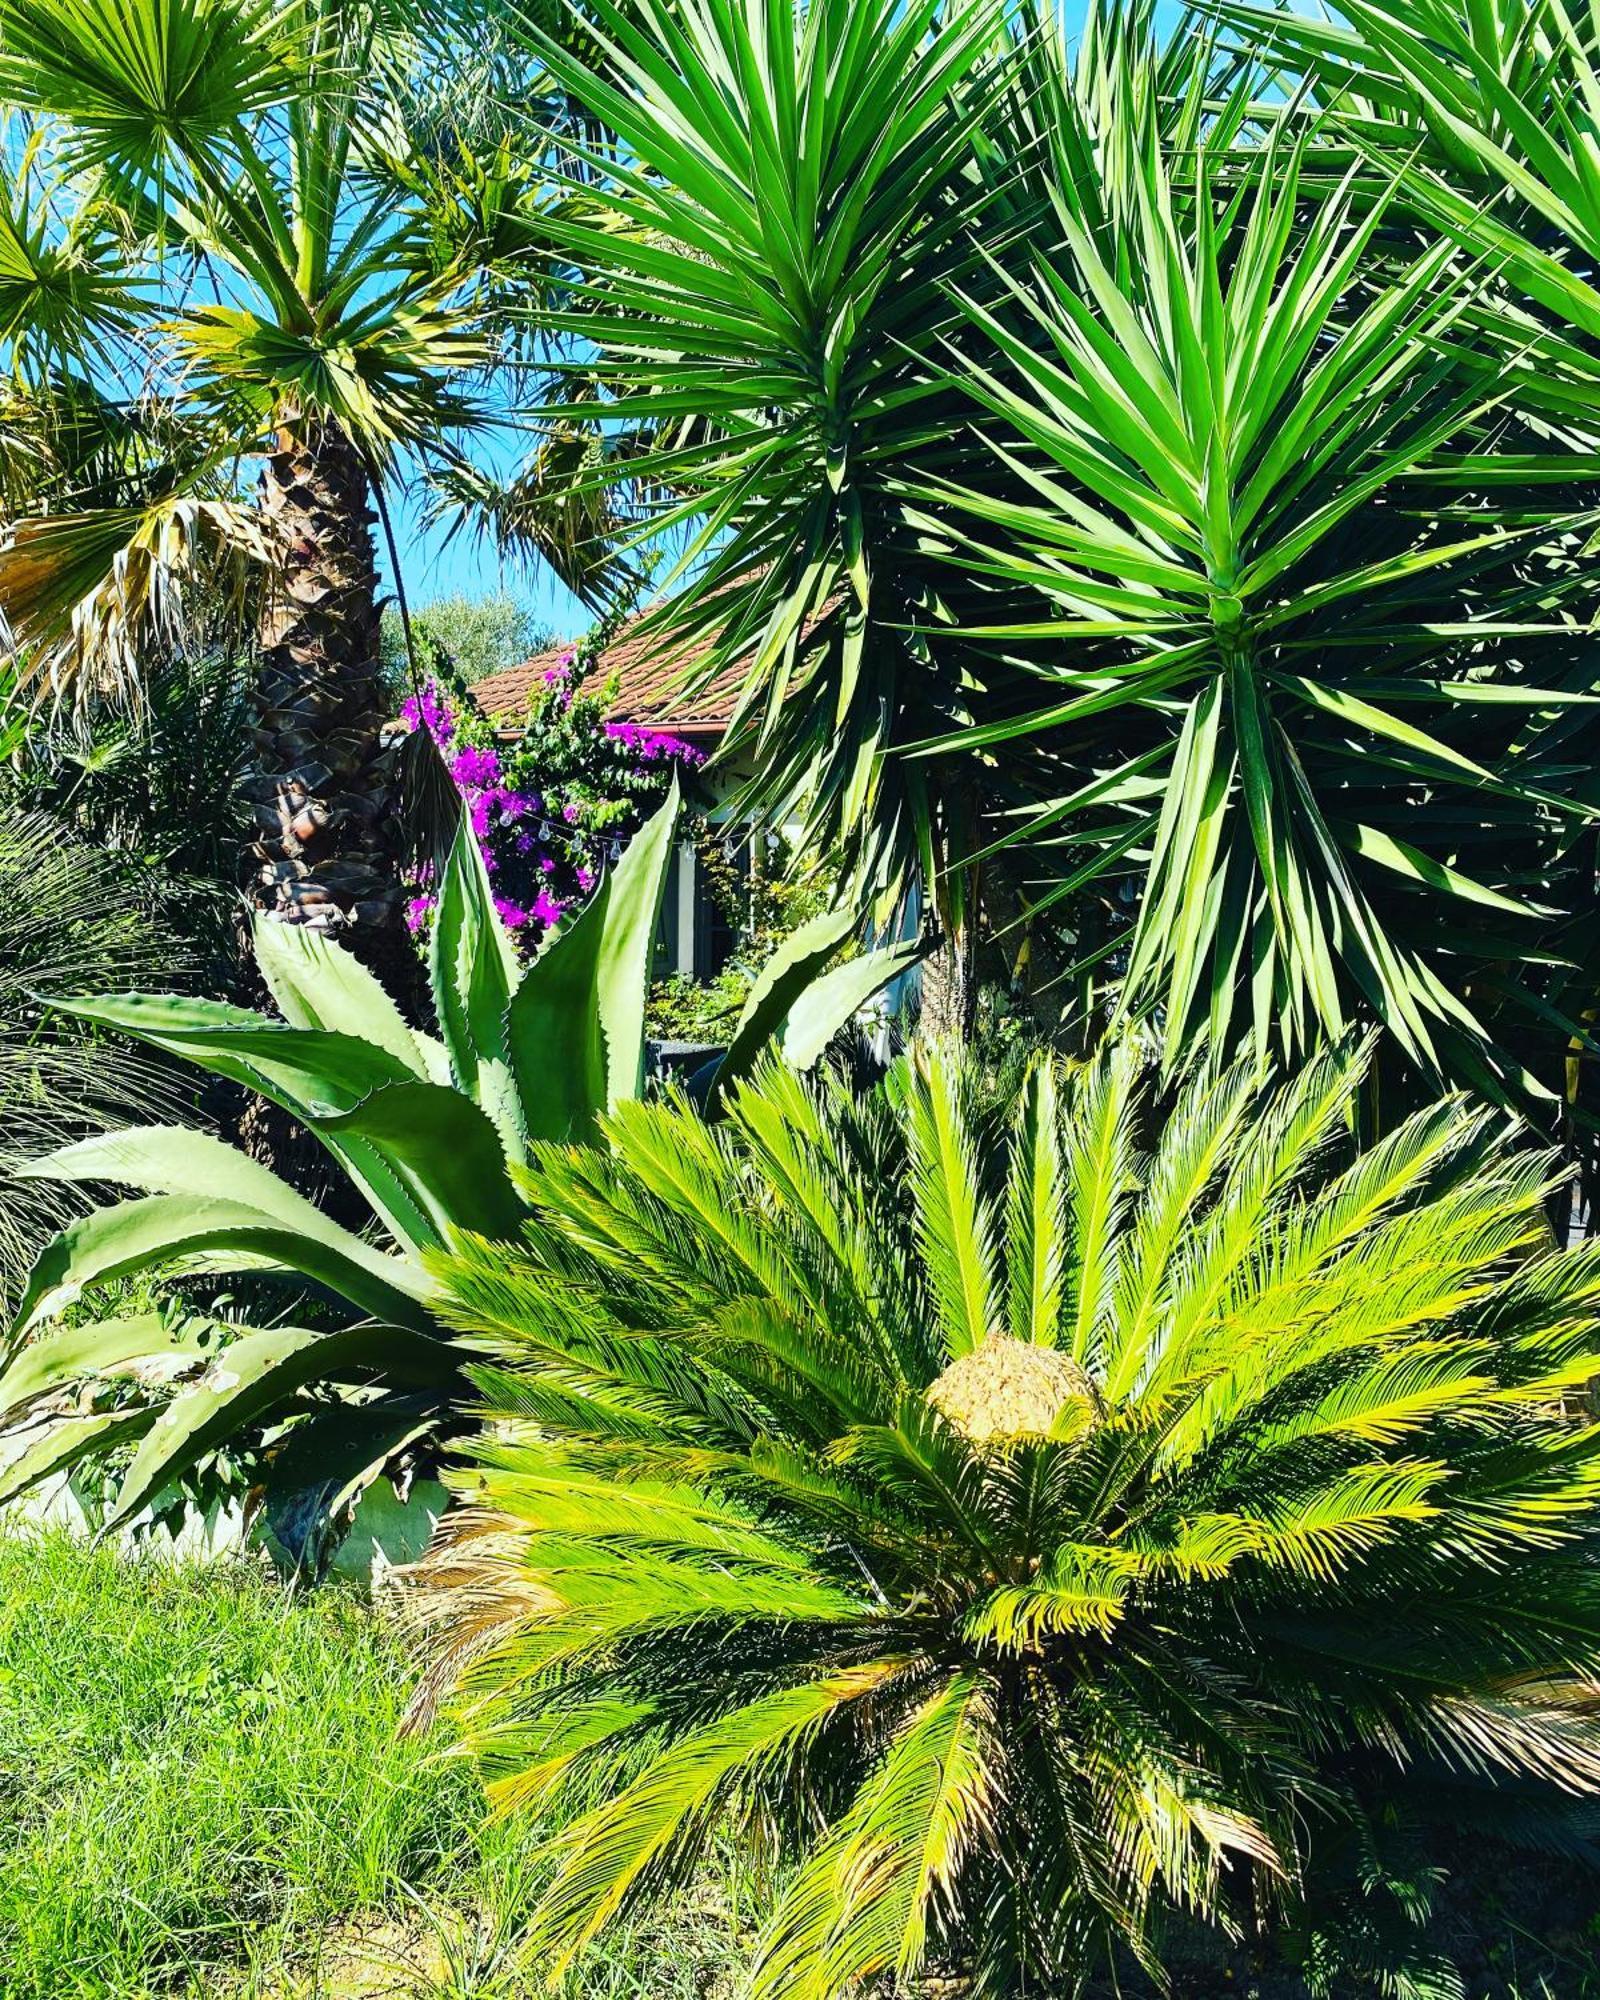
[1009,1391]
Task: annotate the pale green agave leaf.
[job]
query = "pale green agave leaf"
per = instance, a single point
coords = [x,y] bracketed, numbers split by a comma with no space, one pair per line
[218,1235]
[317,984]
[473,968]
[254,1375]
[576,1025]
[138,1345]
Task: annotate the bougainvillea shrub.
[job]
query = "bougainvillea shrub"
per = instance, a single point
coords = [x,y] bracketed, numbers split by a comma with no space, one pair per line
[556,805]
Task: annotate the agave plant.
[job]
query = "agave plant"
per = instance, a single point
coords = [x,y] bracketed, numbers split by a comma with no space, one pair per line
[1026,1543]
[431,1132]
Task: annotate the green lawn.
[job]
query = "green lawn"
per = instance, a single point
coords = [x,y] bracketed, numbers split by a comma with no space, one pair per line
[204,1791]
[205,1795]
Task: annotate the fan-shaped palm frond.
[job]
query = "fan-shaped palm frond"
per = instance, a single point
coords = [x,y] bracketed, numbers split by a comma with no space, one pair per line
[288,297]
[1031,1534]
[70,916]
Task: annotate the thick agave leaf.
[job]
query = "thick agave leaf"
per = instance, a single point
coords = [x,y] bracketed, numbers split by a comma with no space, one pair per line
[205,1177]
[252,1377]
[799,1004]
[443,1155]
[473,967]
[324,1077]
[105,1348]
[576,1026]
[168,1230]
[64,1444]
[316,984]
[329,1456]
[312,1072]
[828,1004]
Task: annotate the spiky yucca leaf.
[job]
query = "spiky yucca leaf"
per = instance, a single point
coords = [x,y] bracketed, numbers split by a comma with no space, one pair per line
[1019,1613]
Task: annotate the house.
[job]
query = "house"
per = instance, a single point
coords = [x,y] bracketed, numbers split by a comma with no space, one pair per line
[697,937]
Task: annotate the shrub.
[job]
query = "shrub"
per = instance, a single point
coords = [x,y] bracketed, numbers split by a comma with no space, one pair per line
[1030,1544]
[553,808]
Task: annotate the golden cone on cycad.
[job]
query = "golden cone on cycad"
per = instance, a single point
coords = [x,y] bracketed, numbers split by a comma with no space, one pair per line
[1009,1390]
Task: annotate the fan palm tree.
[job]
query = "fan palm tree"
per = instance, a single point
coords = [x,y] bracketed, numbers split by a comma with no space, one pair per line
[1026,1543]
[290,309]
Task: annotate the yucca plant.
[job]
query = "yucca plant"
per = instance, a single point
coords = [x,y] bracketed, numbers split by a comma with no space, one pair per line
[432,1133]
[1483,123]
[765,308]
[1026,1542]
[1131,494]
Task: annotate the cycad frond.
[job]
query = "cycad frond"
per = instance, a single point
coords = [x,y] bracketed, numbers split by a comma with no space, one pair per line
[1033,1531]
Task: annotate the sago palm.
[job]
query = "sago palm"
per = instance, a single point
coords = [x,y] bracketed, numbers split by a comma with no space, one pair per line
[288,302]
[1026,1540]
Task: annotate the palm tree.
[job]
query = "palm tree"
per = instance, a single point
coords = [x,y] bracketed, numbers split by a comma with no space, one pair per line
[285,304]
[1021,1544]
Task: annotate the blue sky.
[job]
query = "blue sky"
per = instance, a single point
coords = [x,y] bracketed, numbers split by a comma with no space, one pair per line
[467,566]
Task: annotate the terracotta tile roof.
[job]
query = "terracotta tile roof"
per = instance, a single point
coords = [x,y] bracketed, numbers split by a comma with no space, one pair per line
[649,674]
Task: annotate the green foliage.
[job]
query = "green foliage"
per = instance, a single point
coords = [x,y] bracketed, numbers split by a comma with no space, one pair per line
[210,226]
[70,916]
[1034,1534]
[1092,476]
[431,1131]
[477,635]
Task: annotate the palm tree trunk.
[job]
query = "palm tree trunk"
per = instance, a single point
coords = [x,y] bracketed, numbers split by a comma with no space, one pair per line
[950,971]
[327,850]
[950,986]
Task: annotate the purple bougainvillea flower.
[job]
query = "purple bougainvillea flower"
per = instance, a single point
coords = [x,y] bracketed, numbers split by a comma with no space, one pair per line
[547,864]
[653,746]
[586,879]
[429,710]
[418,911]
[547,909]
[569,812]
[473,767]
